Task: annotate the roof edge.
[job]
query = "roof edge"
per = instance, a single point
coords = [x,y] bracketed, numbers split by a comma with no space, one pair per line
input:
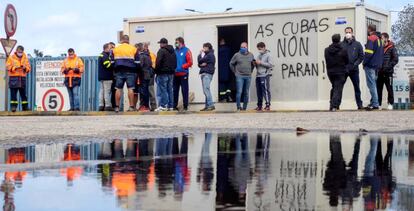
[250,13]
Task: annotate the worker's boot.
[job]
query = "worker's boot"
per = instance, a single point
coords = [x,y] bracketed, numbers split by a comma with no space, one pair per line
[25,107]
[13,108]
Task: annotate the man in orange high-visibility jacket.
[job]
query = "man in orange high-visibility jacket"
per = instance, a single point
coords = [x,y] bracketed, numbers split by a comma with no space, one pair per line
[126,64]
[18,66]
[73,68]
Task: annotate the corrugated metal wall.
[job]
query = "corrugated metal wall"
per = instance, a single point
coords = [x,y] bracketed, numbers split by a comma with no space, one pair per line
[2,83]
[89,87]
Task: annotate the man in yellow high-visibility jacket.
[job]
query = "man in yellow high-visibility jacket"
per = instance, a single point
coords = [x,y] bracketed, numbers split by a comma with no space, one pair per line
[18,66]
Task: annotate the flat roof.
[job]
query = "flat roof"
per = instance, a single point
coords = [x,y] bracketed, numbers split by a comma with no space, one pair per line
[255,13]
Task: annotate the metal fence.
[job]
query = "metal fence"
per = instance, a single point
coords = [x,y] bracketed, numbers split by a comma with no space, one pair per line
[89,87]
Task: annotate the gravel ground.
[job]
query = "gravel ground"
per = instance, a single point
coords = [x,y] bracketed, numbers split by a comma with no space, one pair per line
[54,128]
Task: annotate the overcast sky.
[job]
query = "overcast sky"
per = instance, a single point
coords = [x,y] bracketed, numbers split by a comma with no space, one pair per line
[55,25]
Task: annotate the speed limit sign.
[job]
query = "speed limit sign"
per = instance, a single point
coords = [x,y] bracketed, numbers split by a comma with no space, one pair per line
[53,100]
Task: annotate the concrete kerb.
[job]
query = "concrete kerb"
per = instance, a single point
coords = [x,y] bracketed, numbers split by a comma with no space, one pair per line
[162,113]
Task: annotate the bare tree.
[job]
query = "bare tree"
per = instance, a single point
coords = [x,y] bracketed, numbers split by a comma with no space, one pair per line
[403,30]
[38,53]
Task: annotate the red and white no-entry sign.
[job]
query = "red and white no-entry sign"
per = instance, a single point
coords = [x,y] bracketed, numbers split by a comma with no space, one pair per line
[10,20]
[53,100]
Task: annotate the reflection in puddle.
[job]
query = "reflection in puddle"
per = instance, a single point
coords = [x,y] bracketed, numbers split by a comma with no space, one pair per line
[277,171]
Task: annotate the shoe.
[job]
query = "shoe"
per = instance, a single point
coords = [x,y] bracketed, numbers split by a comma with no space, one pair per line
[360,108]
[172,109]
[259,108]
[267,108]
[370,108]
[333,109]
[204,109]
[13,109]
[390,107]
[77,109]
[132,109]
[109,109]
[117,109]
[185,109]
[101,108]
[143,109]
[211,108]
[239,109]
[25,107]
[161,109]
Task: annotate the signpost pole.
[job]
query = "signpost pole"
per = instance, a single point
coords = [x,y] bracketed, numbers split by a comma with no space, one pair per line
[10,26]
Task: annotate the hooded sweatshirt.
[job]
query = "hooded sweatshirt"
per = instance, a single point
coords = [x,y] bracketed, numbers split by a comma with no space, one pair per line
[390,58]
[336,58]
[242,64]
[266,66]
[166,62]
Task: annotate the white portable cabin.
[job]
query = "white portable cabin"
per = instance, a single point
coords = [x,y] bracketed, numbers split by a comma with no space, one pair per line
[296,38]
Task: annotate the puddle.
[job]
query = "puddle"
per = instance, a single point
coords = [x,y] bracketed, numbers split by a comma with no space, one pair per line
[247,171]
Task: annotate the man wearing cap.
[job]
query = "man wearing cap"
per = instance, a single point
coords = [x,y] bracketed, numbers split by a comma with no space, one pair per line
[165,66]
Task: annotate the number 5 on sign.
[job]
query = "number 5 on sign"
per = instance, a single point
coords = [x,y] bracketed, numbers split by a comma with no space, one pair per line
[53,100]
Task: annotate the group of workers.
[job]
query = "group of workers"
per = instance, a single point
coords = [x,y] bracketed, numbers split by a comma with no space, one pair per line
[343,60]
[140,69]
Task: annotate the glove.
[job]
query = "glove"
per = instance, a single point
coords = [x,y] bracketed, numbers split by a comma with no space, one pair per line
[76,70]
[65,71]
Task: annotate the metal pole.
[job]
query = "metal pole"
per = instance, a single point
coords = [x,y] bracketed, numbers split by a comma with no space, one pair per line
[6,90]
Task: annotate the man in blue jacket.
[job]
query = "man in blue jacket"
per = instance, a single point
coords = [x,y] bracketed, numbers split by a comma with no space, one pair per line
[355,56]
[105,77]
[184,63]
[374,55]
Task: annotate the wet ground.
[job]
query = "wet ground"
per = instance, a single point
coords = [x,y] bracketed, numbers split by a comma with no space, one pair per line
[213,171]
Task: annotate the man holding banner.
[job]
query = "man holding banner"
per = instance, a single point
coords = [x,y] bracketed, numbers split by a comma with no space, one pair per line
[18,66]
[73,68]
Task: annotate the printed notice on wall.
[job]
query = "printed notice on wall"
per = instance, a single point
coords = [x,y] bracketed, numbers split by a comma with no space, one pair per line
[402,79]
[51,93]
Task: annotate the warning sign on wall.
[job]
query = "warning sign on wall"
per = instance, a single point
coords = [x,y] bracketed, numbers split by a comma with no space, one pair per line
[51,93]
[402,80]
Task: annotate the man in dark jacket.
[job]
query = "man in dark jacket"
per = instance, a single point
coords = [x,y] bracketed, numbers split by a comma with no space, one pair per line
[385,75]
[207,64]
[355,56]
[105,77]
[166,64]
[372,63]
[144,77]
[336,60]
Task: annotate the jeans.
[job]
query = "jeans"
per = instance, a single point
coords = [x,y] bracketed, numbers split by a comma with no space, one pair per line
[74,97]
[371,75]
[145,95]
[386,79]
[338,82]
[206,81]
[243,87]
[125,77]
[165,90]
[105,94]
[263,90]
[181,81]
[354,76]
